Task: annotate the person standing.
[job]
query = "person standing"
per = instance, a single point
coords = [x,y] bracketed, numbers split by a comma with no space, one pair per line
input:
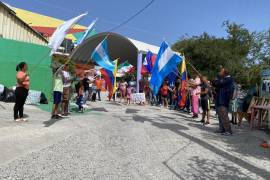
[21,92]
[57,92]
[123,90]
[86,88]
[129,91]
[80,96]
[224,89]
[205,100]
[98,83]
[66,91]
[147,91]
[235,103]
[164,93]
[196,89]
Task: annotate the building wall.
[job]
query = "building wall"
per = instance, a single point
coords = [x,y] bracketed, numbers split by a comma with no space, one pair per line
[36,56]
[13,28]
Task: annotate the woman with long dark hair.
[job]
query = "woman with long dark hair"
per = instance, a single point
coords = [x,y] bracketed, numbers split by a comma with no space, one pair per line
[21,91]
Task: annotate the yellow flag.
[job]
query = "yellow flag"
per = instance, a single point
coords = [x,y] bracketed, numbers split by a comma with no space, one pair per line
[183,68]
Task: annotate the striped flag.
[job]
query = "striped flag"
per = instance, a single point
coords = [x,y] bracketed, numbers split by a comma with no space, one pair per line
[184,79]
[101,56]
[166,62]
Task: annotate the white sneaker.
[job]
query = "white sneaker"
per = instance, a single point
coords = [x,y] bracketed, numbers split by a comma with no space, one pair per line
[60,115]
[24,119]
[18,120]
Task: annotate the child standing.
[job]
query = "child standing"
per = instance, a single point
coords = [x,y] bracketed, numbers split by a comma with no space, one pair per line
[129,91]
[94,92]
[80,96]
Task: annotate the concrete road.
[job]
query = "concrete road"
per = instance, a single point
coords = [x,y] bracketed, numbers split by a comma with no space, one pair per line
[115,141]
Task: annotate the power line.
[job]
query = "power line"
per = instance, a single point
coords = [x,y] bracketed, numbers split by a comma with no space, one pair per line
[106,21]
[132,17]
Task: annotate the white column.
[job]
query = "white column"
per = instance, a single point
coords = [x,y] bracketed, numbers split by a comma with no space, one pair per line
[139,68]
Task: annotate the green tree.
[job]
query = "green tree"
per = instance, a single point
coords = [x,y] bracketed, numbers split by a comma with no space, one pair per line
[245,54]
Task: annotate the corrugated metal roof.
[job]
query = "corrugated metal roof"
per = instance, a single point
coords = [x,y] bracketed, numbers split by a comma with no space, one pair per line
[25,23]
[45,24]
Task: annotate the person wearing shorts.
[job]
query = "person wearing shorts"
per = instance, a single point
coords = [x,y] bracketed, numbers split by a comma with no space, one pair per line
[57,93]
[66,91]
[205,100]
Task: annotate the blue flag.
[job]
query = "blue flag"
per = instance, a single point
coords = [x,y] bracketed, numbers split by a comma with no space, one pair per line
[101,56]
[166,62]
[172,76]
[148,62]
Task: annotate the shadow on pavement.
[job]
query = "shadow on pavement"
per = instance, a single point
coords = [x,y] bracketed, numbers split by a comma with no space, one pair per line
[166,117]
[214,170]
[261,172]
[99,109]
[132,111]
[242,142]
[51,122]
[178,129]
[114,103]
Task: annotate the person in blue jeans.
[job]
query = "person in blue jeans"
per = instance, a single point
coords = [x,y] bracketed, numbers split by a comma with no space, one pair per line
[80,96]
[86,83]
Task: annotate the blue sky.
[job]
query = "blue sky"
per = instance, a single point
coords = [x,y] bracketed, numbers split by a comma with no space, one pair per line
[165,19]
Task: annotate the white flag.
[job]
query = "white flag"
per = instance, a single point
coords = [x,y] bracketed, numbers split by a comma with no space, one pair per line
[61,31]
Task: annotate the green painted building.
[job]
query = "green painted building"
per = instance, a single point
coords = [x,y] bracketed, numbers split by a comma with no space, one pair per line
[36,56]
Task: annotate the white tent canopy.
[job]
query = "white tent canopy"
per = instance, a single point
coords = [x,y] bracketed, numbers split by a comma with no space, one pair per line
[142,46]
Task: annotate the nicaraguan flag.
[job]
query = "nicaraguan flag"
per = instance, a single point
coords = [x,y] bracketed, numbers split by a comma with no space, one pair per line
[166,62]
[101,56]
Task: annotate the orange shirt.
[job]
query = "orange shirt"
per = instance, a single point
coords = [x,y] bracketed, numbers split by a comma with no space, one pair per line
[164,90]
[25,83]
[98,83]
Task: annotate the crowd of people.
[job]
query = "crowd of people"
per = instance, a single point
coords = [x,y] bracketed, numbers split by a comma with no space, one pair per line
[197,92]
[86,88]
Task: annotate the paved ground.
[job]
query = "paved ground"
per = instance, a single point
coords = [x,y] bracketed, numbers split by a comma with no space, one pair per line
[115,141]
